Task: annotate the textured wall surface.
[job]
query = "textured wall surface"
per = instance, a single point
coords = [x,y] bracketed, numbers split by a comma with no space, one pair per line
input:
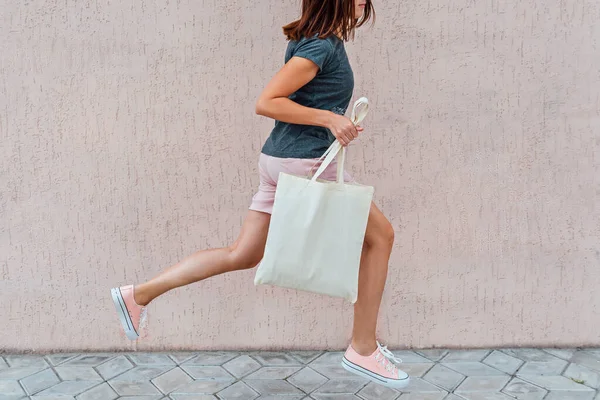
[128,141]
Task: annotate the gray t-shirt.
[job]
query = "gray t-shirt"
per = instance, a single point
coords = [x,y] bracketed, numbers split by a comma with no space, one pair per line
[331,89]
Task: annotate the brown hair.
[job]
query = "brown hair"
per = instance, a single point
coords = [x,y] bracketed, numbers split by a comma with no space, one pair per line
[328,17]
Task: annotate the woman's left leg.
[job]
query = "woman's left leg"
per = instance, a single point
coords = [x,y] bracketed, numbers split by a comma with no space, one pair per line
[365,357]
[379,240]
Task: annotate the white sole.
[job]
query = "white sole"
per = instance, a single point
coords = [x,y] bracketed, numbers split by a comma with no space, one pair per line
[365,373]
[124,317]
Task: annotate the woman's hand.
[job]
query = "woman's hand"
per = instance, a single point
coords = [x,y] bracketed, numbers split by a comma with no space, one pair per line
[343,129]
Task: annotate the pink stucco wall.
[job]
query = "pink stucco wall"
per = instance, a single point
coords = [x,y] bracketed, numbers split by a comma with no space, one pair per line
[128,140]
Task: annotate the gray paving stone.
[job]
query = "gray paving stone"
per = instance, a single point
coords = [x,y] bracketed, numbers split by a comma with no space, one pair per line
[74,373]
[378,392]
[272,359]
[473,368]
[422,386]
[158,397]
[554,367]
[529,354]
[90,360]
[565,395]
[594,351]
[14,397]
[273,387]
[564,354]
[40,381]
[335,372]
[307,380]
[410,356]
[274,373]
[142,373]
[26,361]
[334,396]
[100,392]
[207,372]
[330,358]
[59,358]
[146,359]
[114,367]
[181,357]
[452,397]
[241,366]
[18,373]
[486,396]
[465,355]
[203,387]
[444,377]
[211,358]
[586,359]
[429,396]
[523,390]
[433,355]
[171,380]
[341,386]
[306,357]
[555,383]
[138,388]
[587,376]
[416,369]
[237,391]
[286,376]
[11,388]
[482,384]
[503,362]
[71,388]
[190,397]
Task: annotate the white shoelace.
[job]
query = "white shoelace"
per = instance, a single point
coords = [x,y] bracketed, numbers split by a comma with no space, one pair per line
[387,355]
[143,318]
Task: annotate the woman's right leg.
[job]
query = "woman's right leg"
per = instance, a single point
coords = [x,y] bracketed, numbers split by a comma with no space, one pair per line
[246,252]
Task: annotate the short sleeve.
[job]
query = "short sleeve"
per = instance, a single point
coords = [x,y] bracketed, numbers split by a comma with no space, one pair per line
[314,49]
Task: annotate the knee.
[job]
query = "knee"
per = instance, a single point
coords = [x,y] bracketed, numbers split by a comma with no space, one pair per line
[384,237]
[240,260]
[388,235]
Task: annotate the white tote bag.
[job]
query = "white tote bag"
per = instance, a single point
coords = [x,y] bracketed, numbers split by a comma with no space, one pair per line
[317,229]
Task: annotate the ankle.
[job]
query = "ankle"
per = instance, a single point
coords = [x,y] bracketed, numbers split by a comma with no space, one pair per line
[139,297]
[364,347]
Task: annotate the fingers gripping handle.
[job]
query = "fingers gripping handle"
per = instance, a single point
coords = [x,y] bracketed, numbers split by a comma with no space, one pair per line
[359,112]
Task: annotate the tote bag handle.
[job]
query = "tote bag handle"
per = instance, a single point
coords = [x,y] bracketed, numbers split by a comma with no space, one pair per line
[359,112]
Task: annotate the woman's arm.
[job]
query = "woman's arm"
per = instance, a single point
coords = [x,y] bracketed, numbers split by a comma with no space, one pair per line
[274,102]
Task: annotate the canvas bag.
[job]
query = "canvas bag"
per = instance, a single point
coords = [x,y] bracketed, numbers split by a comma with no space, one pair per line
[317,229]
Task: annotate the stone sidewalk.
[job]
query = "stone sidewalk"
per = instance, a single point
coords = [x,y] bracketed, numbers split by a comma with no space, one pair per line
[526,374]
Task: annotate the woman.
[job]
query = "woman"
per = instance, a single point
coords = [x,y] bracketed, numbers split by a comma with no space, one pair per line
[308,98]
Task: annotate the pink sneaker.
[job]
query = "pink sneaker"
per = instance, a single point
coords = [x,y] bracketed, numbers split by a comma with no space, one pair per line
[130,313]
[380,367]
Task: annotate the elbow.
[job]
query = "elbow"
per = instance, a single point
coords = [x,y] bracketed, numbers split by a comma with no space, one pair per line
[265,106]
[261,107]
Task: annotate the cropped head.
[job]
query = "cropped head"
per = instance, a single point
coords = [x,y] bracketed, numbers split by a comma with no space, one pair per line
[330,17]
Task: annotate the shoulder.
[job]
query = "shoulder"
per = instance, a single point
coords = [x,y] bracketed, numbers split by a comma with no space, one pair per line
[314,43]
[319,51]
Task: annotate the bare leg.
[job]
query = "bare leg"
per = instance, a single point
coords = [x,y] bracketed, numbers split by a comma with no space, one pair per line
[246,252]
[379,240]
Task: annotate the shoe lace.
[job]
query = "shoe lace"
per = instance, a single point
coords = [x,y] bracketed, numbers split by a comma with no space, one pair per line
[386,358]
[143,318]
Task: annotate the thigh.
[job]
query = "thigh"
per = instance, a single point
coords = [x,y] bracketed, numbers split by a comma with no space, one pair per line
[253,236]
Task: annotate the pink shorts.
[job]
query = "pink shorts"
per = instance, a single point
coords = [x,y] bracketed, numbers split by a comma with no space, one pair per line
[269,169]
